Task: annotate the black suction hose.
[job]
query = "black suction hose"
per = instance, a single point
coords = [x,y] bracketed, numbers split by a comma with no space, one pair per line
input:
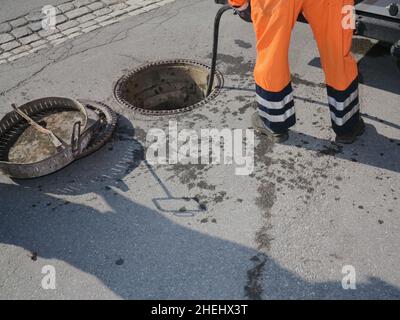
[215,47]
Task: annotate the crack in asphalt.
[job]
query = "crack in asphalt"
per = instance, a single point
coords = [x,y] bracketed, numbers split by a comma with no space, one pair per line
[114,39]
[254,287]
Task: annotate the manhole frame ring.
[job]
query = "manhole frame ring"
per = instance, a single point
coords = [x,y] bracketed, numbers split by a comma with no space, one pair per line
[99,142]
[219,81]
[42,107]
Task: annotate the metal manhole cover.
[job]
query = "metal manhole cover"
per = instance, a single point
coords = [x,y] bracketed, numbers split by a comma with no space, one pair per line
[45,135]
[167,87]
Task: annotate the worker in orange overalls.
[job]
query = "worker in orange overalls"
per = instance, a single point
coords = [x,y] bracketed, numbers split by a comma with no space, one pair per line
[273,22]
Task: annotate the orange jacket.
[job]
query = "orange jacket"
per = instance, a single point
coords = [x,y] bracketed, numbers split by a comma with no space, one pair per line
[237,3]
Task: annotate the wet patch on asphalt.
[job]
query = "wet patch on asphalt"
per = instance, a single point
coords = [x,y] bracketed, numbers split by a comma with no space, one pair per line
[254,287]
[265,201]
[235,65]
[298,80]
[243,44]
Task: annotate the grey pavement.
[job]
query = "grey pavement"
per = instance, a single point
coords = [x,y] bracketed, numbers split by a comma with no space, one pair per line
[27,33]
[11,9]
[310,208]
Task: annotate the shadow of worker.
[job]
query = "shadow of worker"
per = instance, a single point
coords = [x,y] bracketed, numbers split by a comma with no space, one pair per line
[372,148]
[134,250]
[140,254]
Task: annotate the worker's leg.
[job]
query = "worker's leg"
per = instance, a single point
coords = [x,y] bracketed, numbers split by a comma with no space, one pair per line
[329,21]
[273,22]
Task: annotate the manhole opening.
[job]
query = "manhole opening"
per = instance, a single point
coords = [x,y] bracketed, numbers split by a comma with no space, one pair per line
[167,87]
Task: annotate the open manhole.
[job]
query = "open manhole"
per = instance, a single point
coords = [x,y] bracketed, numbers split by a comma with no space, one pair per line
[167,87]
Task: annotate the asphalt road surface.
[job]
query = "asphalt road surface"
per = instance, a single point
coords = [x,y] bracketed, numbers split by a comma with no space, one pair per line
[310,208]
[15,8]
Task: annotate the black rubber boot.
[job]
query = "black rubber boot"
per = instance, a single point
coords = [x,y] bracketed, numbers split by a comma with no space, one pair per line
[351,137]
[259,126]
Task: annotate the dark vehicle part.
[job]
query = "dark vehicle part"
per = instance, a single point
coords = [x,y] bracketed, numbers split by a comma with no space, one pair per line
[395,50]
[167,87]
[393,9]
[378,19]
[383,8]
[379,28]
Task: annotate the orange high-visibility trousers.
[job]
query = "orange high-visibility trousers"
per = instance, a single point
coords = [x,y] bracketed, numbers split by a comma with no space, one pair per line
[273,22]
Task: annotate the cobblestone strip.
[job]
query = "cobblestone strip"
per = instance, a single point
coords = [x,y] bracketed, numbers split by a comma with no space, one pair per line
[24,35]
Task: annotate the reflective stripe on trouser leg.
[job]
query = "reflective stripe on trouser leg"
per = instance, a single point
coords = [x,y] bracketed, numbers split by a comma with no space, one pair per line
[276,109]
[345,108]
